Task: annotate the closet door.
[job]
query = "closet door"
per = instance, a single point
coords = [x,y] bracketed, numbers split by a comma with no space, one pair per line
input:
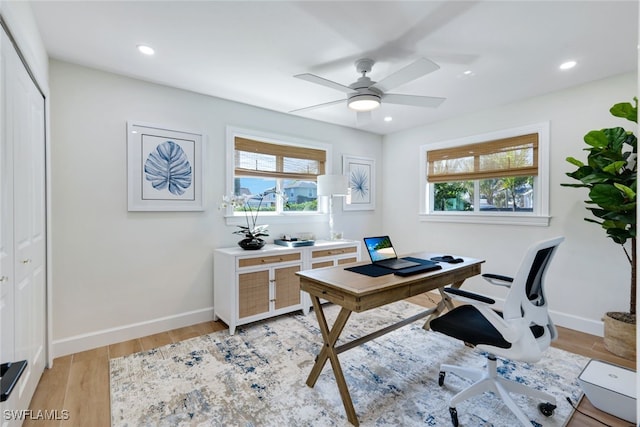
[24,128]
[29,226]
[7,352]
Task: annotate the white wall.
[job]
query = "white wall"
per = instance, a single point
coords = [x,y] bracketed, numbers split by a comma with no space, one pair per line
[590,274]
[121,274]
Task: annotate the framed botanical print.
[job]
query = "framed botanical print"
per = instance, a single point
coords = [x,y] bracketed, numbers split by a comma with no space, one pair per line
[164,168]
[361,173]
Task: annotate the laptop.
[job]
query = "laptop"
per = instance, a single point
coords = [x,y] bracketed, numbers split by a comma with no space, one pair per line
[382,254]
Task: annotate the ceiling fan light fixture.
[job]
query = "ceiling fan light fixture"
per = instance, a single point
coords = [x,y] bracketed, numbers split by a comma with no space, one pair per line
[364,102]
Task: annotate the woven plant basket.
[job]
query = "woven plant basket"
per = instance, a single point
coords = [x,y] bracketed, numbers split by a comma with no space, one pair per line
[620,337]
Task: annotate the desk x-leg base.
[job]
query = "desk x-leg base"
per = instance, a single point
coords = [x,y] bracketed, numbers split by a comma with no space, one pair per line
[445,302]
[330,351]
[330,337]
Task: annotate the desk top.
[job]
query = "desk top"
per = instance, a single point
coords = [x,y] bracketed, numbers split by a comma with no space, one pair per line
[354,285]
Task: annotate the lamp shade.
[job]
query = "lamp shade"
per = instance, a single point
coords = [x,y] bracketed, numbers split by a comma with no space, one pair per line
[333,185]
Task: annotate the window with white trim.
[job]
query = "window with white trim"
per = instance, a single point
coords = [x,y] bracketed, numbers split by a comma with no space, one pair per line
[280,176]
[500,177]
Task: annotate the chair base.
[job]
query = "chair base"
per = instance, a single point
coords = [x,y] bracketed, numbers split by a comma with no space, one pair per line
[488,380]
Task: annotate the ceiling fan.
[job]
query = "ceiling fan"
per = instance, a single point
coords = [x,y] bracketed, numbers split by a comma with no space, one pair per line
[365,95]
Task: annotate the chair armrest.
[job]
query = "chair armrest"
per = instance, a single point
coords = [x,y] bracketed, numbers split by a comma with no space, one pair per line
[470,297]
[497,279]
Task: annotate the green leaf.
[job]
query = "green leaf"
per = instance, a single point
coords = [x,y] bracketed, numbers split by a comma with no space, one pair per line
[596,178]
[626,111]
[606,195]
[580,173]
[616,138]
[575,185]
[575,161]
[629,193]
[596,138]
[614,167]
[619,236]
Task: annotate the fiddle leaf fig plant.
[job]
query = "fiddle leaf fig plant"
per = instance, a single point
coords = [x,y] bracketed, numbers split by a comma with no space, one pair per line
[610,174]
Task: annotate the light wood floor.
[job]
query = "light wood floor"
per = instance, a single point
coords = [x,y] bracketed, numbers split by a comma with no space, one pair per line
[79,383]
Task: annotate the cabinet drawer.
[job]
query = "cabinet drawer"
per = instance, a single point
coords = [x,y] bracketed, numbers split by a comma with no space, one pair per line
[333,252]
[250,262]
[322,264]
[347,260]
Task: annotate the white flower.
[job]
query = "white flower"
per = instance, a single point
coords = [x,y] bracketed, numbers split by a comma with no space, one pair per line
[251,230]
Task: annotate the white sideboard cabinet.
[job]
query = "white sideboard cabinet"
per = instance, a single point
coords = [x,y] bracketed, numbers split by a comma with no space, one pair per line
[255,285]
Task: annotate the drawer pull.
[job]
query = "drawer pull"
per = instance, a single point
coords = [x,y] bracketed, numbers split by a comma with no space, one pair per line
[26,261]
[3,279]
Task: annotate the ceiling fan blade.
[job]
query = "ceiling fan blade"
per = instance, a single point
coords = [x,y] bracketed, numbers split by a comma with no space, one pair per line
[313,107]
[324,82]
[413,100]
[404,75]
[363,117]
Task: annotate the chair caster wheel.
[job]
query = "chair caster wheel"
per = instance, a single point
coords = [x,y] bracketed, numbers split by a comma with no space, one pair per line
[441,378]
[454,416]
[547,409]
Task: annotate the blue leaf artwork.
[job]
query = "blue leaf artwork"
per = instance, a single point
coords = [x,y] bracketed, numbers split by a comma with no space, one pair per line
[168,167]
[359,182]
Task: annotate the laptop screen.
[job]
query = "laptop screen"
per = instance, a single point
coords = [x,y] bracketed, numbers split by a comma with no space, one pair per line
[380,248]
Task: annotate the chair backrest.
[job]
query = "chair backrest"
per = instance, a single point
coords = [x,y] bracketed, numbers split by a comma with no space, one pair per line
[526,298]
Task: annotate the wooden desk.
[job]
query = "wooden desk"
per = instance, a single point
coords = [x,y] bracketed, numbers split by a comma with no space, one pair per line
[355,292]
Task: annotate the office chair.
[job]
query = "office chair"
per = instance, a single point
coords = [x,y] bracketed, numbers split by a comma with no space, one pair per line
[522,331]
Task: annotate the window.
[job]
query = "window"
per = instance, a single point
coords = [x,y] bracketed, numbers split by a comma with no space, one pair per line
[497,178]
[265,166]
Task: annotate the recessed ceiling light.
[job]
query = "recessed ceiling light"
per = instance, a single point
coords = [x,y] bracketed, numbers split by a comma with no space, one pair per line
[568,65]
[466,74]
[146,49]
[388,119]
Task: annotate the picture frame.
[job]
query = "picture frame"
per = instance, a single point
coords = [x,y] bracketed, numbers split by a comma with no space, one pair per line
[164,168]
[361,174]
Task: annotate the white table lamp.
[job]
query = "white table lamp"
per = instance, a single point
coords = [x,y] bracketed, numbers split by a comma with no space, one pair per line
[332,186]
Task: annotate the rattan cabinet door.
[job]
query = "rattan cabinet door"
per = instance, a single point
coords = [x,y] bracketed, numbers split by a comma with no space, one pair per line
[287,286]
[253,293]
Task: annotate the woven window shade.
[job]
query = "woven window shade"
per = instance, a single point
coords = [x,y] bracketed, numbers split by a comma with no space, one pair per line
[515,156]
[267,160]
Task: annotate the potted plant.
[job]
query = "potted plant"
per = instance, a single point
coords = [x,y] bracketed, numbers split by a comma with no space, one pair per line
[251,205]
[610,174]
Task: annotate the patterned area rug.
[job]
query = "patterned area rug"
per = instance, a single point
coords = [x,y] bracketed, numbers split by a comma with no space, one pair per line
[257,378]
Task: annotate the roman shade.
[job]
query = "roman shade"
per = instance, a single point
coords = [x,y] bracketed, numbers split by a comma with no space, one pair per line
[268,160]
[508,157]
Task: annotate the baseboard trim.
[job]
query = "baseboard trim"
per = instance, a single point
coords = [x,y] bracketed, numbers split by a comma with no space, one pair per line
[82,342]
[577,323]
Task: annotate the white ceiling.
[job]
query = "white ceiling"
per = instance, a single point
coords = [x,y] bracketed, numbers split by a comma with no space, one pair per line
[248,51]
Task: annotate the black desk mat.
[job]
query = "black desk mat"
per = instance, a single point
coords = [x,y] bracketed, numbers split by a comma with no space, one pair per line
[375,271]
[370,270]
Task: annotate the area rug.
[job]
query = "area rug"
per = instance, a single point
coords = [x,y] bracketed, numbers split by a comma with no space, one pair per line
[257,378]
